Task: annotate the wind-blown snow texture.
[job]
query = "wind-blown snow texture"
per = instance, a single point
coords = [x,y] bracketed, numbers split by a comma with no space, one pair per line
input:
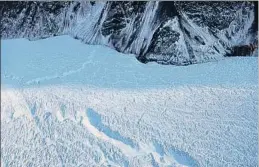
[86,105]
[177,33]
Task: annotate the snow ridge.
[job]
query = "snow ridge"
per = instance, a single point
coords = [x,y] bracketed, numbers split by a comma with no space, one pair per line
[64,126]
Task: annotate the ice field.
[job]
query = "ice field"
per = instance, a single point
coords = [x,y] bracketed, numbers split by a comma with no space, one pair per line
[65,103]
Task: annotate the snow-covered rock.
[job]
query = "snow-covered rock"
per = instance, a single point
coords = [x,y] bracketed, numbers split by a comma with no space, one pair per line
[179,33]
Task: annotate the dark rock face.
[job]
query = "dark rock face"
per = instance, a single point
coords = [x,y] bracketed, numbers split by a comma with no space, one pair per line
[30,19]
[178,33]
[243,50]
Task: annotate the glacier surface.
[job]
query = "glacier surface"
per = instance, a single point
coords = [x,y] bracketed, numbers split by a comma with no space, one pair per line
[64,103]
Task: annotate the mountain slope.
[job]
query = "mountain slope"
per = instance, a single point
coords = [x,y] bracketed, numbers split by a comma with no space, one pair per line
[177,33]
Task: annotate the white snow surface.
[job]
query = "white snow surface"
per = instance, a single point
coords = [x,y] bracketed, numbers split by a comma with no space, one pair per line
[65,103]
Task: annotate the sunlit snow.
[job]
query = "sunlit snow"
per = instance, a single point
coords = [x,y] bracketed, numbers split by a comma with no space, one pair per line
[65,103]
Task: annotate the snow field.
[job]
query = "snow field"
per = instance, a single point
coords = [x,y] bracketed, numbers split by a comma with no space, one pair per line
[64,103]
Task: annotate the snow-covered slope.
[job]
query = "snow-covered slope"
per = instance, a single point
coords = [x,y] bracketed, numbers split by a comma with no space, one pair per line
[64,103]
[178,33]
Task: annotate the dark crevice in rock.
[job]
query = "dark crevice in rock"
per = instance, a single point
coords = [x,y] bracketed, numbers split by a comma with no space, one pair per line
[243,50]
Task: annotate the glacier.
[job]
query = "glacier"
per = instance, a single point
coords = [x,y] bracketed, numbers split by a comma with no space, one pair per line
[77,63]
[65,103]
